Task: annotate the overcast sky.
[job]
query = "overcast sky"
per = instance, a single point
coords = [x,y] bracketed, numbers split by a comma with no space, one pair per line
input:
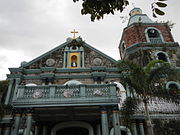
[29,28]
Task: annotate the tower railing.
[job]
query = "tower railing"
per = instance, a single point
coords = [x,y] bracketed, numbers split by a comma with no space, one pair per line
[155,40]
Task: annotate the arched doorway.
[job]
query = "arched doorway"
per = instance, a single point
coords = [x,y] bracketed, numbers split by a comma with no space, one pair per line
[124,131]
[72,128]
[72,131]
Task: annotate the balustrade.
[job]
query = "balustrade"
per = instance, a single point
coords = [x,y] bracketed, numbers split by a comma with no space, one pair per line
[62,94]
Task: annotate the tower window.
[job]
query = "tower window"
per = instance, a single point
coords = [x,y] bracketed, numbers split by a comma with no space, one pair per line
[152,33]
[173,87]
[162,56]
[123,47]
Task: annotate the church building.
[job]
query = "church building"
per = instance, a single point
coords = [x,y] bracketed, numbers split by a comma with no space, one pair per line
[75,89]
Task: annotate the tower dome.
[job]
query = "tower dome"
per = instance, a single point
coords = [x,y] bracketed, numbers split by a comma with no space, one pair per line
[136,16]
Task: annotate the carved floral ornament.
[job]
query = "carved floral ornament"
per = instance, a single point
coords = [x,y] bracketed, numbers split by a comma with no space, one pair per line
[37,94]
[97,61]
[50,62]
[68,93]
[97,92]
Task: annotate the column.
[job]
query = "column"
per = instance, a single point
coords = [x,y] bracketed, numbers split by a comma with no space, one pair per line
[134,130]
[29,123]
[36,130]
[104,122]
[8,92]
[141,128]
[7,130]
[15,130]
[98,129]
[45,130]
[27,130]
[116,124]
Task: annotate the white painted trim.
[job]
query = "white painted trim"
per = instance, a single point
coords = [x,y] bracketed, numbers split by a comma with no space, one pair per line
[72,82]
[172,82]
[123,128]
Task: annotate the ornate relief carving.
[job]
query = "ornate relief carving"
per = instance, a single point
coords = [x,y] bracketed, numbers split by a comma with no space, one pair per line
[50,62]
[97,61]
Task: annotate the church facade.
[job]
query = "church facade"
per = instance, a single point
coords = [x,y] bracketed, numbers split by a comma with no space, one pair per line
[74,88]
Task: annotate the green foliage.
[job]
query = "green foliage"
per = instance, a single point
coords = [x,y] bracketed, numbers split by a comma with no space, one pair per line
[161,4]
[3,88]
[5,109]
[145,82]
[167,127]
[148,81]
[3,85]
[169,23]
[129,107]
[159,12]
[98,8]
[156,8]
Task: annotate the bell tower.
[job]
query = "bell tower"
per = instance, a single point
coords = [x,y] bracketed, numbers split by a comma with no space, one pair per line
[144,40]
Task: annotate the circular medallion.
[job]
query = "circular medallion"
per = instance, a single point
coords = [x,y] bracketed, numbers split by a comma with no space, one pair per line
[97,61]
[50,62]
[37,94]
[68,93]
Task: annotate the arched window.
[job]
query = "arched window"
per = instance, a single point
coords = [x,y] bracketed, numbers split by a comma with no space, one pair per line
[173,87]
[123,48]
[153,35]
[162,56]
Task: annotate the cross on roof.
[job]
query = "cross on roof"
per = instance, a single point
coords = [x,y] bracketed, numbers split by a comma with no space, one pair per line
[74,33]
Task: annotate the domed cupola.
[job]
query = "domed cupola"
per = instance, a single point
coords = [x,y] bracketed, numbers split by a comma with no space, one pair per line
[136,16]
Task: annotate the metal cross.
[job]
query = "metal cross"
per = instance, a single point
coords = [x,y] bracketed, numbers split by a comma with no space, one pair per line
[74,33]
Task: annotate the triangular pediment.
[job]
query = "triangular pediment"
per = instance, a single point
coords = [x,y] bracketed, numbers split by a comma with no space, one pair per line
[59,56]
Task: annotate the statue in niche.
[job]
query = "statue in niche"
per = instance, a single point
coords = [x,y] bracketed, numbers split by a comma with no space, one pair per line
[74,61]
[73,64]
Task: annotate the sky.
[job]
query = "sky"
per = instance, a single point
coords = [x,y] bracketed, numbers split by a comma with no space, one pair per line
[29,28]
